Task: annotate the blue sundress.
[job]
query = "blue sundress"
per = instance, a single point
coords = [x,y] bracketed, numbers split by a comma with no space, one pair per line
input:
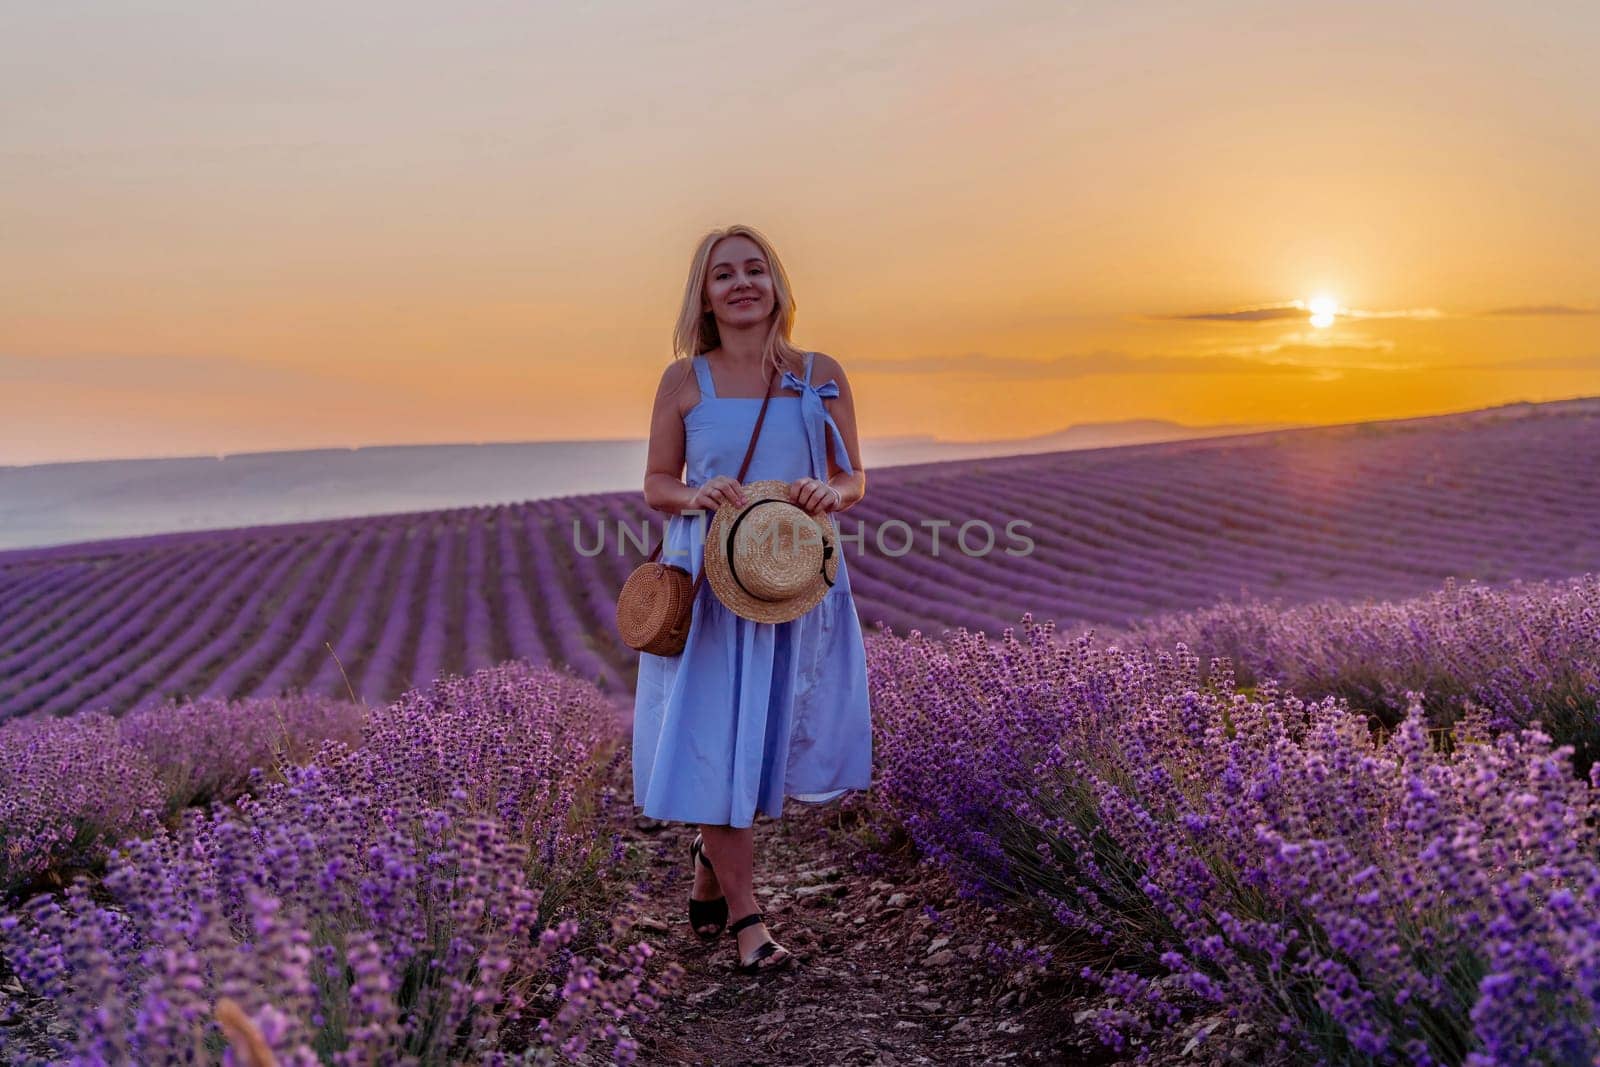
[752,712]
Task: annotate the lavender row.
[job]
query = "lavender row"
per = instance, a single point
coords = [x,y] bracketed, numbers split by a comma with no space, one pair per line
[444,892]
[315,631]
[375,673]
[1249,866]
[478,624]
[215,655]
[1118,534]
[56,643]
[1525,654]
[144,635]
[429,656]
[70,788]
[34,588]
[351,646]
[522,615]
[285,615]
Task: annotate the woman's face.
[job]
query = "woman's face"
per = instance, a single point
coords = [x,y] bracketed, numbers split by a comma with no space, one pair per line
[739,285]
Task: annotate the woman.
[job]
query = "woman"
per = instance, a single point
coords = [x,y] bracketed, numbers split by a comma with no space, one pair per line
[749,712]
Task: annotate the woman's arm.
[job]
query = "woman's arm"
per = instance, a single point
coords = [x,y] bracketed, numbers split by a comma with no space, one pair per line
[852,487]
[664,488]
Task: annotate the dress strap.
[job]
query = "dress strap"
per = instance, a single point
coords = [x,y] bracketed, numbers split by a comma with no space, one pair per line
[703,373]
[820,427]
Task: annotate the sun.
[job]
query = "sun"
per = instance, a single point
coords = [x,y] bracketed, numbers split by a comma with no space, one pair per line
[1324,309]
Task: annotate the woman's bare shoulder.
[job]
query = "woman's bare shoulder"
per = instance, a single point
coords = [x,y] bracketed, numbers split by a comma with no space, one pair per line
[824,366]
[678,386]
[676,375]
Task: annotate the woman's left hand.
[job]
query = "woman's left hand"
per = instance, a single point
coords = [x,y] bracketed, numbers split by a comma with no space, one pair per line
[815,496]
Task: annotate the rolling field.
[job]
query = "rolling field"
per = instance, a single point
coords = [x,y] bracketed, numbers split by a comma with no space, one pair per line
[1377,510]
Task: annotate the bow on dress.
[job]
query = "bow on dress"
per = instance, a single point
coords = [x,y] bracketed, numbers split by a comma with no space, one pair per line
[818,422]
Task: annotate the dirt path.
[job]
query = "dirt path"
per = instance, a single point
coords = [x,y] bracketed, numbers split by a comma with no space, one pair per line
[890,966]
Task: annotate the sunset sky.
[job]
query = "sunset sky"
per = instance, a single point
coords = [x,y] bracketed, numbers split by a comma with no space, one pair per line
[232,227]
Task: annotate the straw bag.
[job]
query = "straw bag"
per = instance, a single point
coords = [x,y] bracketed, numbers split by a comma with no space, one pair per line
[653,609]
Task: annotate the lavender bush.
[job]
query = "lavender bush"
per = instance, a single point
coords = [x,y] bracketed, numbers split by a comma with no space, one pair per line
[1254,857]
[205,750]
[68,789]
[419,898]
[1527,653]
[72,787]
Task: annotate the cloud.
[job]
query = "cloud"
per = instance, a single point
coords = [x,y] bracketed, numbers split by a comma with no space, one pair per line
[1298,310]
[1308,342]
[1257,313]
[1295,310]
[1540,310]
[1335,357]
[1580,361]
[166,373]
[1012,368]
[1329,359]
[1398,313]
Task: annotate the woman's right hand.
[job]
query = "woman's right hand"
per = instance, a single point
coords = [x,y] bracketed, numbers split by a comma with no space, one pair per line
[715,492]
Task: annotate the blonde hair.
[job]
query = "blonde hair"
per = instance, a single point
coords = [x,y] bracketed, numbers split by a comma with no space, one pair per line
[697,331]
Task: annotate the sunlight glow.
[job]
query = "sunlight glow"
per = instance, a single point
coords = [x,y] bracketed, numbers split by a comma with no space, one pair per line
[1323,311]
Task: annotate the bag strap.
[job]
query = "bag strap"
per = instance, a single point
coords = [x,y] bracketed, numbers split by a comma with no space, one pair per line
[743,467]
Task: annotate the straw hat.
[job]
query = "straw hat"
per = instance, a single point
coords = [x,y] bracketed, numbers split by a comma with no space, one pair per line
[770,560]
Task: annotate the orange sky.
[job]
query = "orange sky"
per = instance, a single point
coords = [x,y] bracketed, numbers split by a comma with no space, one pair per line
[231,231]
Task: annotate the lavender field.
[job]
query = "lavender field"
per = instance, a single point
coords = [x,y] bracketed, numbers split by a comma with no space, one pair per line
[1220,856]
[1372,510]
[1358,824]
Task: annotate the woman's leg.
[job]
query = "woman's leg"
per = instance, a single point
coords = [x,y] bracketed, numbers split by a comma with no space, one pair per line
[732,852]
[706,885]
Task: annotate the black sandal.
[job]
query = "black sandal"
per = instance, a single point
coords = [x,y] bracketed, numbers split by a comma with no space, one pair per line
[756,963]
[705,912]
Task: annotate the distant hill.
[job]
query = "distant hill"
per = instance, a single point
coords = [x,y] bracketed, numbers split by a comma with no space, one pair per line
[60,503]
[1367,510]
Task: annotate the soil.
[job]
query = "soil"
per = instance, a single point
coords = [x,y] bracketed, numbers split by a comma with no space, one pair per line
[890,966]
